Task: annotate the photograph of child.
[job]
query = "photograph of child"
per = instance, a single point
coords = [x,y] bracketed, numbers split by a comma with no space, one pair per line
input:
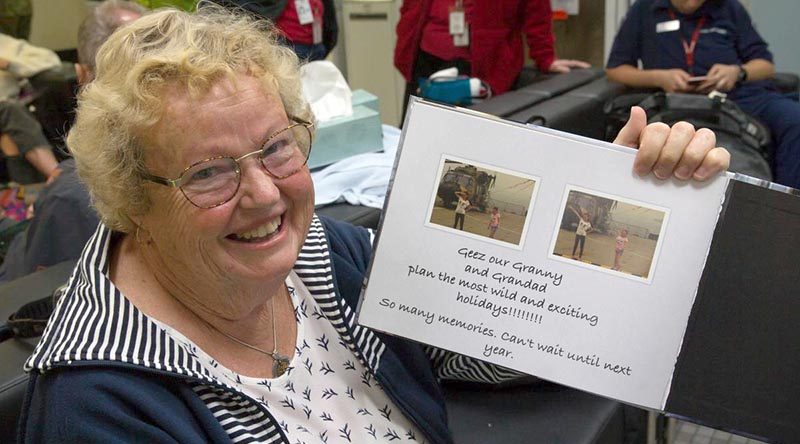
[609,233]
[619,248]
[472,199]
[584,227]
[494,222]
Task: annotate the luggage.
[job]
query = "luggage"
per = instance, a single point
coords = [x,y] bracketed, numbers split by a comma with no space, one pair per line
[747,139]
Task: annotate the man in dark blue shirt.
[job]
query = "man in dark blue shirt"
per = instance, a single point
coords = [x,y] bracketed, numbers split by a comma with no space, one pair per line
[696,46]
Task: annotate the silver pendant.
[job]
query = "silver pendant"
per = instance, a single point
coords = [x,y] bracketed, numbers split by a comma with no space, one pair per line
[280,365]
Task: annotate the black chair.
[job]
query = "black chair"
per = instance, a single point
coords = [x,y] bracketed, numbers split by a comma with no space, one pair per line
[577,111]
[540,90]
[540,413]
[366,217]
[14,352]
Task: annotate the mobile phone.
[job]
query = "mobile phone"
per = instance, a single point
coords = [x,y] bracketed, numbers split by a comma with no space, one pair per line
[697,79]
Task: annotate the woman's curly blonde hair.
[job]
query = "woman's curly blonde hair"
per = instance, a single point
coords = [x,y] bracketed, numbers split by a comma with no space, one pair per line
[164,48]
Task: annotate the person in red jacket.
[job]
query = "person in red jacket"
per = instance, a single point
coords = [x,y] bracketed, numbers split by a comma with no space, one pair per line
[490,46]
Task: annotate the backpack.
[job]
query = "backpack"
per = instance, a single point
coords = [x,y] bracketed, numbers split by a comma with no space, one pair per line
[747,139]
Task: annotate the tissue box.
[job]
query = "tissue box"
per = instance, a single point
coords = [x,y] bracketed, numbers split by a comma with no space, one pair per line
[361,97]
[343,137]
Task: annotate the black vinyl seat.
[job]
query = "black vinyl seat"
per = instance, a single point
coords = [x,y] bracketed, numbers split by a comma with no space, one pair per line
[14,352]
[539,413]
[577,111]
[541,90]
[363,216]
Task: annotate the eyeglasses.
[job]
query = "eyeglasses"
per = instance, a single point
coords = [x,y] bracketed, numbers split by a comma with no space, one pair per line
[212,182]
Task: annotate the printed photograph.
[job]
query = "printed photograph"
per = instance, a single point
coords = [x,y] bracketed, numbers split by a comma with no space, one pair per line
[482,201]
[613,234]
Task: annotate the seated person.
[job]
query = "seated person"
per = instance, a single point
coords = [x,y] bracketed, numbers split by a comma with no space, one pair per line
[679,40]
[200,301]
[95,29]
[29,156]
[62,223]
[63,216]
[20,60]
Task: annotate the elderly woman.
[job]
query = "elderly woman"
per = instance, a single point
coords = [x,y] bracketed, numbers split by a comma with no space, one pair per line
[211,305]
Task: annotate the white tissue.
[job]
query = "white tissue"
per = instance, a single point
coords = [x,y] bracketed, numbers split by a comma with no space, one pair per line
[326,90]
[447,73]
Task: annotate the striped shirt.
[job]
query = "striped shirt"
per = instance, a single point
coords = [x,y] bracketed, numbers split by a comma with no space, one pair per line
[94,322]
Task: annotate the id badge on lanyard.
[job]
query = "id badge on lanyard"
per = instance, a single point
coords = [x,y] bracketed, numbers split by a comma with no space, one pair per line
[304,13]
[689,47]
[459,29]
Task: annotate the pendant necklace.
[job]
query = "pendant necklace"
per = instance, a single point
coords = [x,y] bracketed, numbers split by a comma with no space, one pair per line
[280,362]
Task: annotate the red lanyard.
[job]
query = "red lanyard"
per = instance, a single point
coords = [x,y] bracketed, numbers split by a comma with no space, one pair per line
[688,48]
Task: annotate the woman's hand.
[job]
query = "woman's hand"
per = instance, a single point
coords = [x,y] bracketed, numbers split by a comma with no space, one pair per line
[680,151]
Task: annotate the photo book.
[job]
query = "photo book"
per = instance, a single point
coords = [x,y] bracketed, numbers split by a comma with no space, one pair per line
[544,252]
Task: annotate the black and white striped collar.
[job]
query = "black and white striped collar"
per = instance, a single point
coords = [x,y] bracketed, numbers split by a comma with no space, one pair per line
[94,322]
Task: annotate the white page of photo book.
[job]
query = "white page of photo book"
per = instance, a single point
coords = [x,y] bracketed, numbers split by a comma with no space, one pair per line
[515,303]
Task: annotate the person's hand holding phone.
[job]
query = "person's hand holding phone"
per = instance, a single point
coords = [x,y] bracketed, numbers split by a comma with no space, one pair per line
[674,80]
[720,78]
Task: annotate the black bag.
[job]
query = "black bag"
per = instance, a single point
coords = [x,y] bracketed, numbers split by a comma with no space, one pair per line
[747,139]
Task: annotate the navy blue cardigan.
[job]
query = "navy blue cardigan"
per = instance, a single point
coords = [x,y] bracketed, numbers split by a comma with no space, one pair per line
[105,400]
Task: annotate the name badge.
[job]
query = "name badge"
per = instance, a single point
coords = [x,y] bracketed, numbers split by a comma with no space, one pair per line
[461,40]
[304,14]
[668,26]
[457,20]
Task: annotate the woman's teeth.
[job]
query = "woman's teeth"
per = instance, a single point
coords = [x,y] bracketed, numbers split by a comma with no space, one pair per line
[261,232]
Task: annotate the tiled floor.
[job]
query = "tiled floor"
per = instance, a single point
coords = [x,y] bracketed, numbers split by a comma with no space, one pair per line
[688,433]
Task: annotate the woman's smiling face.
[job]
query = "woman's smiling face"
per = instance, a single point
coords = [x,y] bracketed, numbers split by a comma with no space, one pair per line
[256,235]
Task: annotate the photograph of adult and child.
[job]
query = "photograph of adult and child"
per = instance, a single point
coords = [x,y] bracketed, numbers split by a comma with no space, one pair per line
[482,201]
[613,234]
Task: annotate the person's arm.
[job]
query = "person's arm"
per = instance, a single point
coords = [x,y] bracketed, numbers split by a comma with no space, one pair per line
[30,60]
[670,80]
[627,51]
[450,366]
[575,211]
[752,51]
[102,405]
[759,69]
[567,65]
[44,161]
[539,33]
[725,77]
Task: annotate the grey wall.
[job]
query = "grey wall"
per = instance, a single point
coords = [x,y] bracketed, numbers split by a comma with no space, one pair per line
[777,22]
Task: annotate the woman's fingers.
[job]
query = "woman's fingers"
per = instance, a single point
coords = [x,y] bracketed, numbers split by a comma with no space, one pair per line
[679,150]
[716,160]
[652,140]
[680,136]
[631,134]
[698,147]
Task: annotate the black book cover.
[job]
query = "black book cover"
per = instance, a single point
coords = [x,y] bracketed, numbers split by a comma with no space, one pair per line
[739,366]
